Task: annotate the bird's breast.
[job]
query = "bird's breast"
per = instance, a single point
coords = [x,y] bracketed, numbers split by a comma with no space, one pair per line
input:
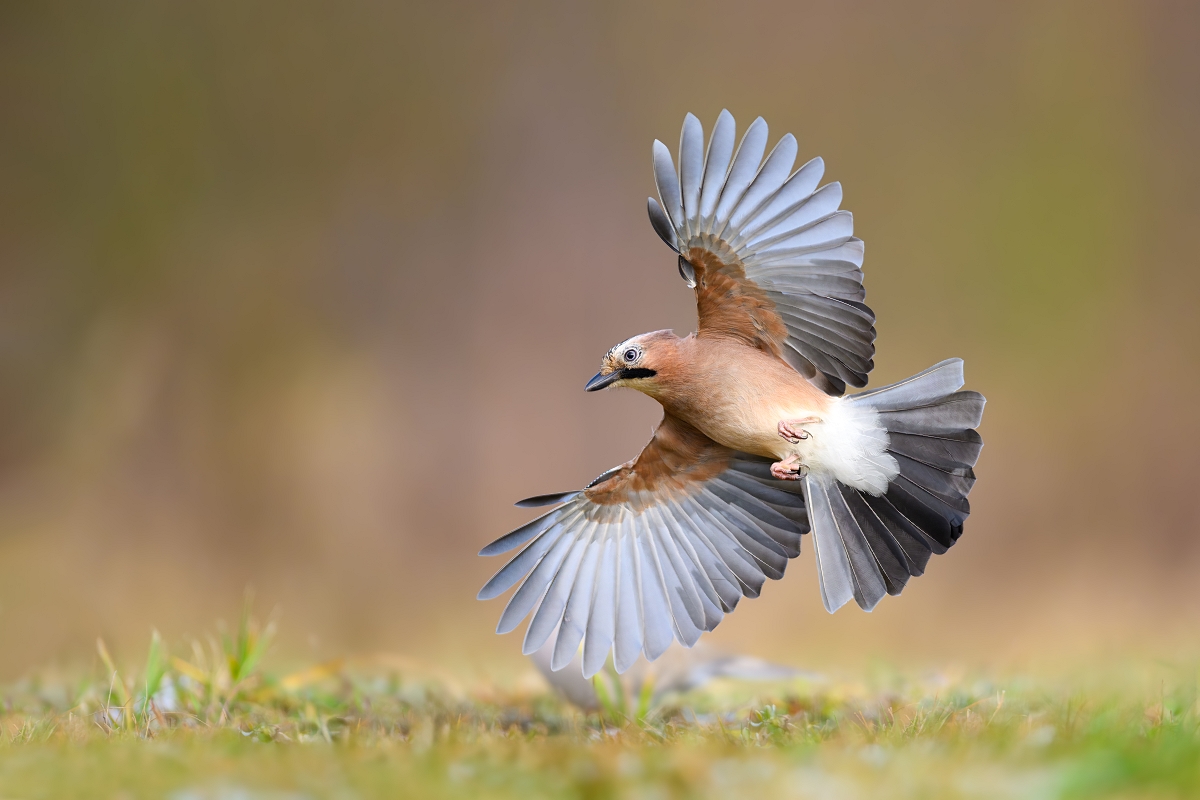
[754,427]
[739,400]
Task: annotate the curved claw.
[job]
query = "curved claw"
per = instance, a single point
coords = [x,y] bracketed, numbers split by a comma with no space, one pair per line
[790,429]
[790,469]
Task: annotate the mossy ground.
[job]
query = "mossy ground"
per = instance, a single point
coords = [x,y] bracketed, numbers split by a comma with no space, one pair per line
[213,725]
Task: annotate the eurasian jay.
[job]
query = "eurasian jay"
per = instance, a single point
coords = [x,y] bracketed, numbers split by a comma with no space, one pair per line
[758,444]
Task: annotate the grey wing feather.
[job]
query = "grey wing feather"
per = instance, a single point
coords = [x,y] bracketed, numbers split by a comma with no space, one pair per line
[627,644]
[831,231]
[602,619]
[795,190]
[851,251]
[838,285]
[716,166]
[738,560]
[629,581]
[855,338]
[769,557]
[661,224]
[668,184]
[788,234]
[550,610]
[745,168]
[684,597]
[781,530]
[818,206]
[508,575]
[770,179]
[533,588]
[831,331]
[770,507]
[575,613]
[655,602]
[691,169]
[714,583]
[521,535]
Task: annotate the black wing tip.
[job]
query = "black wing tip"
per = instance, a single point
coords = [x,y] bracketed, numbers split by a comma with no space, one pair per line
[661,224]
[537,501]
[687,272]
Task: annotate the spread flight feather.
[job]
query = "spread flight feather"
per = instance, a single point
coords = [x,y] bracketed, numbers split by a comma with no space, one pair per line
[662,547]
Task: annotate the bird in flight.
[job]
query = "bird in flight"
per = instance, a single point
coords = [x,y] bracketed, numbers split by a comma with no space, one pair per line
[759,444]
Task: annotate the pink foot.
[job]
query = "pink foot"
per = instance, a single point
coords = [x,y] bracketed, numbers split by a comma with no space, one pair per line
[792,429]
[790,469]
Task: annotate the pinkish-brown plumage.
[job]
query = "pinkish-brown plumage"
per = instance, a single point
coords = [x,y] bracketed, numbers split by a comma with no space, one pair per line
[757,445]
[732,392]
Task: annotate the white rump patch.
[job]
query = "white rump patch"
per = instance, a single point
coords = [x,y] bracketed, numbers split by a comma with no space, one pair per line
[850,445]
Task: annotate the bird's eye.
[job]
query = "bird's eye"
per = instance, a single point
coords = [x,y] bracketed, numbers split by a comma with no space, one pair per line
[631,355]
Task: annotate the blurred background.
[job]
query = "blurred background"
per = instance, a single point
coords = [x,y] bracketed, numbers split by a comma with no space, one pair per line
[301,296]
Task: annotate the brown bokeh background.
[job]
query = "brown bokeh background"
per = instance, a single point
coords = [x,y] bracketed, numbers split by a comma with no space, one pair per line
[302,295]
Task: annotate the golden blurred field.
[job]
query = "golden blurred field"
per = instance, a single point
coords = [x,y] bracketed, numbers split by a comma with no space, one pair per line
[301,296]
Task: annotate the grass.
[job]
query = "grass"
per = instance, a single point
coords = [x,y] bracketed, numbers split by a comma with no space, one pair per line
[210,723]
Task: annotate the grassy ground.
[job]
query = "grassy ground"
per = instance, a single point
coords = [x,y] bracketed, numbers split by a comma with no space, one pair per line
[210,724]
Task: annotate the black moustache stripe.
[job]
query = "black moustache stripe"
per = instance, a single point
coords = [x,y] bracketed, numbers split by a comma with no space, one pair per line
[637,372]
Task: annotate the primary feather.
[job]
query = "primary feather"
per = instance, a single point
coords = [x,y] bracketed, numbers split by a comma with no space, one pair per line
[663,547]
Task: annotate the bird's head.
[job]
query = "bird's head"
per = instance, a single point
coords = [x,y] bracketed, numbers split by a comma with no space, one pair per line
[635,362]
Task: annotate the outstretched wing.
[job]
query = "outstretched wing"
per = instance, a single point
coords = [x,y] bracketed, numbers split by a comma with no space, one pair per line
[659,548]
[772,259]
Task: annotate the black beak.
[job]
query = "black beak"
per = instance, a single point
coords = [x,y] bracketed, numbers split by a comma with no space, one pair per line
[600,380]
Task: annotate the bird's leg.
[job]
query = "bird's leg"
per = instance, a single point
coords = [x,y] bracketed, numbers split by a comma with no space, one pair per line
[792,430]
[790,469]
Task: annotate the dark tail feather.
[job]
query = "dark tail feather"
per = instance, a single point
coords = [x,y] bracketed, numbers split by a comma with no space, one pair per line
[931,435]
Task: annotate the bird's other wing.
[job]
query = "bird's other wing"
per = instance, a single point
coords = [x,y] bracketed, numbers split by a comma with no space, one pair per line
[772,259]
[659,548]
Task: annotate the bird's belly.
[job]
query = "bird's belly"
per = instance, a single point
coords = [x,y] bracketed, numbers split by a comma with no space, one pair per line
[845,442]
[753,428]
